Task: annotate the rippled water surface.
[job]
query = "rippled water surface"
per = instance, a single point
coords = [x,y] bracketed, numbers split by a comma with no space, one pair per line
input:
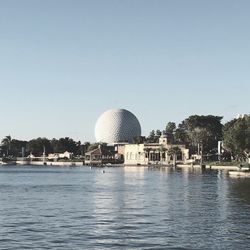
[123,208]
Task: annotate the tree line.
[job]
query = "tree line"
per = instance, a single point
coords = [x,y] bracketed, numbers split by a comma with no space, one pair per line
[202,133]
[17,148]
[197,132]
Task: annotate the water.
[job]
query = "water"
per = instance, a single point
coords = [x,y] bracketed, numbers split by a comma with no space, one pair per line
[123,208]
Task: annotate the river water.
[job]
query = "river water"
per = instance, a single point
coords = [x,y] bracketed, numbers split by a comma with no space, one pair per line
[123,208]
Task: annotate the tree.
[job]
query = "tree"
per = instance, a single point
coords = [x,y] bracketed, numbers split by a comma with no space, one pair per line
[138,139]
[6,143]
[18,147]
[66,144]
[158,133]
[180,135]
[147,152]
[162,151]
[236,135]
[37,146]
[96,145]
[174,151]
[200,129]
[170,127]
[154,136]
[12,147]
[151,136]
[85,147]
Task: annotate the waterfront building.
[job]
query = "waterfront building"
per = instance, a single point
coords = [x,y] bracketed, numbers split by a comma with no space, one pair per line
[154,153]
[241,116]
[121,129]
[100,156]
[56,156]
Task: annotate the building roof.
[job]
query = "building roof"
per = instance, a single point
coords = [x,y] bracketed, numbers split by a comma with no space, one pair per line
[99,151]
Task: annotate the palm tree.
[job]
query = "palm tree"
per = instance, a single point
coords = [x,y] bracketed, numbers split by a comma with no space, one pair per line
[148,155]
[6,142]
[153,150]
[174,151]
[147,151]
[162,151]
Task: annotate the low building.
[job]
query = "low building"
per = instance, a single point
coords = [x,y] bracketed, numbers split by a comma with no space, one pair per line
[56,156]
[65,155]
[100,156]
[154,153]
[31,156]
[119,150]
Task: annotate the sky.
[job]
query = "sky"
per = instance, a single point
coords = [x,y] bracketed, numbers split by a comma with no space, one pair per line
[63,63]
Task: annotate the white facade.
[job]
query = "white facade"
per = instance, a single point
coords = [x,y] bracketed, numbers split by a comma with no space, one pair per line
[134,155]
[241,116]
[153,153]
[56,156]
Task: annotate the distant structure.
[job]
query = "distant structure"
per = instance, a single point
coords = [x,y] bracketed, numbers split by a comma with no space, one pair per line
[100,156]
[56,156]
[155,153]
[241,116]
[116,126]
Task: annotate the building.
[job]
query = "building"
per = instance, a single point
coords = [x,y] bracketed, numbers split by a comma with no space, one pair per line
[56,156]
[241,116]
[155,153]
[117,125]
[100,156]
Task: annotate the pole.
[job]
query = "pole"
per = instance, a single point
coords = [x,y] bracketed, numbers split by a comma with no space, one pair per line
[201,161]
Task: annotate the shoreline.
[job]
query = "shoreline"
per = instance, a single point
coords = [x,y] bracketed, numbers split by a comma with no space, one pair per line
[211,167]
[81,163]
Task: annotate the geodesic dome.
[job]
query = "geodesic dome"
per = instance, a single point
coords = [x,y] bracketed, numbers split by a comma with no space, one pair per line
[117,125]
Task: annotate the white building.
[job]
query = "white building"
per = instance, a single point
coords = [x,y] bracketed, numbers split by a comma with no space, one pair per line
[56,156]
[154,153]
[241,116]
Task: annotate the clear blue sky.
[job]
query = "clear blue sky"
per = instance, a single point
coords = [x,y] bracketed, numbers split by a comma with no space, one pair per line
[62,63]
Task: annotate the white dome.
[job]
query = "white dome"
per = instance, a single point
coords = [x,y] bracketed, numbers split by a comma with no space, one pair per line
[117,125]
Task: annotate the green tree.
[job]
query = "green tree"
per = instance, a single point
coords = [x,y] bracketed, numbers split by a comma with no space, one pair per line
[236,135]
[162,151]
[12,147]
[170,127]
[151,136]
[96,145]
[85,147]
[138,139]
[17,147]
[154,136]
[6,144]
[37,146]
[205,130]
[174,152]
[147,152]
[180,135]
[66,144]
[158,133]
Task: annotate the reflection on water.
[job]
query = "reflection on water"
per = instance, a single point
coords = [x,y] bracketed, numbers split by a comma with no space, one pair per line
[123,208]
[240,189]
